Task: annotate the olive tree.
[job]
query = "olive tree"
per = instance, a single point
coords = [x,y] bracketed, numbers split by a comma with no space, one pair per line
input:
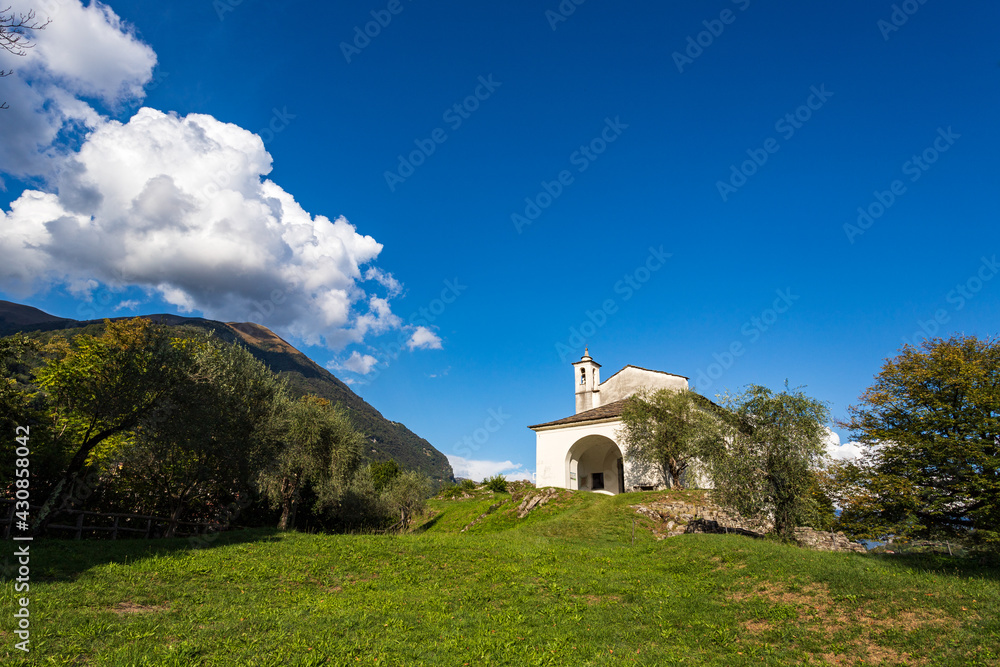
[208,438]
[319,447]
[764,470]
[665,431]
[406,495]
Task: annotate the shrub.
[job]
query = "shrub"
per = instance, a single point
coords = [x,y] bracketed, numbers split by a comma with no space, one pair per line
[467,485]
[450,491]
[497,483]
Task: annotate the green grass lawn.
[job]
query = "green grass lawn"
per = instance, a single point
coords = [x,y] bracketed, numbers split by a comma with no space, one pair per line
[563,586]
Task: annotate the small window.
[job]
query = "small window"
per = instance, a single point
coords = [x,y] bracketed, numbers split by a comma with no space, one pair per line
[598,480]
[583,376]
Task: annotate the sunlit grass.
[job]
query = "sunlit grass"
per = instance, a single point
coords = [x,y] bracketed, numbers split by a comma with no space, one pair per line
[562,586]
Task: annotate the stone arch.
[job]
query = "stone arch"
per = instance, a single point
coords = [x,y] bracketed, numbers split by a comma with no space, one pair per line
[595,463]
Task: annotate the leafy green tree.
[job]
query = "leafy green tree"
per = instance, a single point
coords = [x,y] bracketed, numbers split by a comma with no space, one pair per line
[104,387]
[319,448]
[360,506]
[930,425]
[819,510]
[764,469]
[208,438]
[407,496]
[665,431]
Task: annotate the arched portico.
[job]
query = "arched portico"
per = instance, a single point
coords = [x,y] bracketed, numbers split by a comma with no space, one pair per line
[595,463]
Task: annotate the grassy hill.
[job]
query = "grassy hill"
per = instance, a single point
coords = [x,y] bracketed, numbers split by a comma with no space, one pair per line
[389,439]
[563,586]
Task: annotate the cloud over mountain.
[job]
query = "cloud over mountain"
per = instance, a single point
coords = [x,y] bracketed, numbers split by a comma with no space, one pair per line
[179,206]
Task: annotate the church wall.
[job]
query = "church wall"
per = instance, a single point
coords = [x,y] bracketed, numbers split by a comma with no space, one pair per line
[630,380]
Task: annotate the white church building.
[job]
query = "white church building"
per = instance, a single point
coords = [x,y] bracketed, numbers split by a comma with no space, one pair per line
[582,451]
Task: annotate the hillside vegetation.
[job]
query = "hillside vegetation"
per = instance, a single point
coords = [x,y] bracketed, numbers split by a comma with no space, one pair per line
[563,585]
[388,439]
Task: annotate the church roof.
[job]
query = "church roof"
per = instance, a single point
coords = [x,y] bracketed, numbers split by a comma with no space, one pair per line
[609,411]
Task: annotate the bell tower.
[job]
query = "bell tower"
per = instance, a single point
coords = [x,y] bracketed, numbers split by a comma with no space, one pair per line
[587,379]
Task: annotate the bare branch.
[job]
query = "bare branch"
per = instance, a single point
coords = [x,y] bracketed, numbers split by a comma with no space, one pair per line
[15,30]
[15,35]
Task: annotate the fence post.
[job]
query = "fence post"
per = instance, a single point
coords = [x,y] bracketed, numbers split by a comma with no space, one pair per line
[79,526]
[114,532]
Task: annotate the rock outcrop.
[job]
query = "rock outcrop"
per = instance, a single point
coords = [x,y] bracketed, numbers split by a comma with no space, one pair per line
[823,541]
[533,500]
[676,517]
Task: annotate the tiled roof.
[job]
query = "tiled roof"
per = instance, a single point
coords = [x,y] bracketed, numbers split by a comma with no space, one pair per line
[609,411]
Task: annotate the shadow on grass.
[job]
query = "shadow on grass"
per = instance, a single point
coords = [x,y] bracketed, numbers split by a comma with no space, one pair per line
[422,528]
[979,566]
[65,560]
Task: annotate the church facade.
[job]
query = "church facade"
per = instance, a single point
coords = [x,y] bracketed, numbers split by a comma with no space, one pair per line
[583,451]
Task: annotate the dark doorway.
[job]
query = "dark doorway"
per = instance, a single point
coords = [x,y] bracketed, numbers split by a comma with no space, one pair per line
[598,481]
[621,476]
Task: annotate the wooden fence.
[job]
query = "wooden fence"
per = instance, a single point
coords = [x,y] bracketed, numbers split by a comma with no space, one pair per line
[118,525]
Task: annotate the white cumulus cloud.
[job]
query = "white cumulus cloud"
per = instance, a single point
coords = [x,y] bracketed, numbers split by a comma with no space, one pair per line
[131,304]
[424,339]
[86,51]
[356,363]
[181,206]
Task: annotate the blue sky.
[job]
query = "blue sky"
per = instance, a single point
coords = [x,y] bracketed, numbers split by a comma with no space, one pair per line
[786,192]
